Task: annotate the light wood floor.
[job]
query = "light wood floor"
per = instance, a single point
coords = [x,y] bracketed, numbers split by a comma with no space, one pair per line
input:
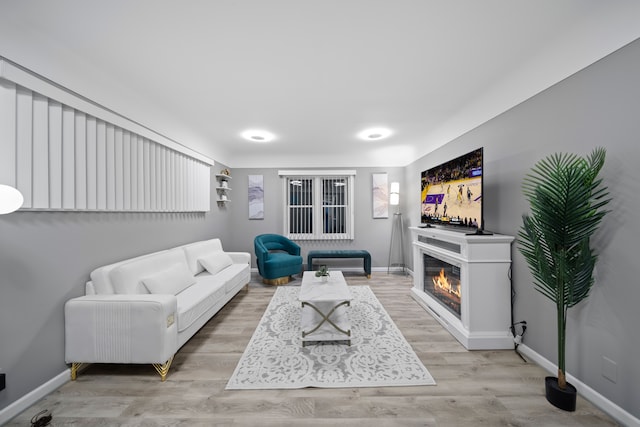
[474,388]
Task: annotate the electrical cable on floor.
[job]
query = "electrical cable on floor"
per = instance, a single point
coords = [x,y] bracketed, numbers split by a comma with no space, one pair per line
[517,337]
[42,418]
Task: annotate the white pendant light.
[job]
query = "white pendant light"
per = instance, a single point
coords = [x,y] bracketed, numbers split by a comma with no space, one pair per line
[10,199]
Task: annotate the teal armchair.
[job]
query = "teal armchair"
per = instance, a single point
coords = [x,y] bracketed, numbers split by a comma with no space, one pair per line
[278,258]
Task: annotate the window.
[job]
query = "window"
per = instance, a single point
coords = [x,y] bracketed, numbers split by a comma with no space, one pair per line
[319,204]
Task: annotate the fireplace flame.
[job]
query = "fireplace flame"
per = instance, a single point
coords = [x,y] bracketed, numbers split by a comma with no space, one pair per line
[441,282]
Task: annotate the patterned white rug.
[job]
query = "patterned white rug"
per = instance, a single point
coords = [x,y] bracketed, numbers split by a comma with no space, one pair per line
[379,355]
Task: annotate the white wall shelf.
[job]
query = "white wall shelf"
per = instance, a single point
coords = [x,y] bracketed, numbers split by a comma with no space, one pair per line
[223,188]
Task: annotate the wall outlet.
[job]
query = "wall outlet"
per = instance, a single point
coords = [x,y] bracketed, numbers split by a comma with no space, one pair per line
[609,369]
[3,381]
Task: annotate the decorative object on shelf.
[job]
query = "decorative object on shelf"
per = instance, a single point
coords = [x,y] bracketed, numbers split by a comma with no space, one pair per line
[10,199]
[380,195]
[256,196]
[223,186]
[567,202]
[323,273]
[397,224]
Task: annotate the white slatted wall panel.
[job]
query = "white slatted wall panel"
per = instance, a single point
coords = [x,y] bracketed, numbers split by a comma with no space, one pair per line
[61,158]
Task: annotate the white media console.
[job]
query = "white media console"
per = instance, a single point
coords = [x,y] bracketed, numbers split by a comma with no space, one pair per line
[481,316]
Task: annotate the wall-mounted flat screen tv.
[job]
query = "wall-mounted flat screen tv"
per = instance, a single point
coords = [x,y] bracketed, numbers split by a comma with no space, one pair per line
[452,192]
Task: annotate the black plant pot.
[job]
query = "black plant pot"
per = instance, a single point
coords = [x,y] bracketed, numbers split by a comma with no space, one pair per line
[562,399]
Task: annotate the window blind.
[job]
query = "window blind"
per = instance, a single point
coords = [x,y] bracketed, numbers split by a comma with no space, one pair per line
[62,158]
[318,207]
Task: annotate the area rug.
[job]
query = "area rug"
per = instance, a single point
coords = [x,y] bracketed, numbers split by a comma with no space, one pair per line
[379,356]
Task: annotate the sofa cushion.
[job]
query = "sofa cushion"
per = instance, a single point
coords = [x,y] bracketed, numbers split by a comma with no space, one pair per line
[196,300]
[127,278]
[101,276]
[216,262]
[237,274]
[172,280]
[195,251]
[230,276]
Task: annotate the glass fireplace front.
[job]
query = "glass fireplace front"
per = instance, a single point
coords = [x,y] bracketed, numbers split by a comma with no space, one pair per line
[442,282]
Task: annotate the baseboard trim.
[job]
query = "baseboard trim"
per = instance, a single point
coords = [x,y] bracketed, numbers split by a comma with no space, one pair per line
[20,405]
[614,411]
[359,269]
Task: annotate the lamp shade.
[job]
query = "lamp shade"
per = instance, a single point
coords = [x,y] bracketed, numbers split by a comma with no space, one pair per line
[10,199]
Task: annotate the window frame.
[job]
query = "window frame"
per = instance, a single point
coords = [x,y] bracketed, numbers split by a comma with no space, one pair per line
[318,177]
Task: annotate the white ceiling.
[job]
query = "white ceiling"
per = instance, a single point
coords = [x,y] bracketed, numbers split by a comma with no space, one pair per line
[313,72]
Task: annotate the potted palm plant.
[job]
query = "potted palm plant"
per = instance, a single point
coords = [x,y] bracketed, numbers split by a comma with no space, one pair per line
[567,202]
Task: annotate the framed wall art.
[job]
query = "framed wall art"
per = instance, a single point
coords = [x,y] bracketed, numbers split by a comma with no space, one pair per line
[380,195]
[256,197]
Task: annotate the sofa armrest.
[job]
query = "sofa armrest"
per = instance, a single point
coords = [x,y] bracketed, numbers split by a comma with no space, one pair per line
[240,257]
[121,328]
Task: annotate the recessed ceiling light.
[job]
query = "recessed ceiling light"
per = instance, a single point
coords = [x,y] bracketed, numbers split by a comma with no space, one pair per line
[374,134]
[258,135]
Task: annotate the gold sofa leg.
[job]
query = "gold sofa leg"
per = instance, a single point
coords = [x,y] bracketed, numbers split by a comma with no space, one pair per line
[163,369]
[75,368]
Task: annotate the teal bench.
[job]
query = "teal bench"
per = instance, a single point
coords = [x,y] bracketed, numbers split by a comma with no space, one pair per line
[341,253]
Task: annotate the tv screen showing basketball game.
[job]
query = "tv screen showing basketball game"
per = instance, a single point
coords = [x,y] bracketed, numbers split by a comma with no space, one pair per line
[452,192]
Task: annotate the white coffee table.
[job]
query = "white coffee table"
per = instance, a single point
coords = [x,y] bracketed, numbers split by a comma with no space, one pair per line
[324,315]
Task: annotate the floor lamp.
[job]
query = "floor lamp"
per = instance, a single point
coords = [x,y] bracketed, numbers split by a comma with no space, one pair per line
[397,226]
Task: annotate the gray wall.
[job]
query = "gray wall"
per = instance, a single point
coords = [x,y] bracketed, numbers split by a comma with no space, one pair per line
[46,258]
[598,106]
[370,234]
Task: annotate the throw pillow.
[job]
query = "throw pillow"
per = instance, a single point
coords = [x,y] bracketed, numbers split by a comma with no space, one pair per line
[216,262]
[173,280]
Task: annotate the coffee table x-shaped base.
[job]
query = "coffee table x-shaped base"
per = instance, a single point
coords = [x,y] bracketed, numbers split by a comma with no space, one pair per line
[326,318]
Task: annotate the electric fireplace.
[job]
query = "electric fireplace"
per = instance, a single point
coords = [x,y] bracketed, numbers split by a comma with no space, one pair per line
[442,281]
[463,281]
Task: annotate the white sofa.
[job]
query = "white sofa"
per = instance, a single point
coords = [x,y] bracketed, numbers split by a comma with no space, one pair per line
[142,310]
